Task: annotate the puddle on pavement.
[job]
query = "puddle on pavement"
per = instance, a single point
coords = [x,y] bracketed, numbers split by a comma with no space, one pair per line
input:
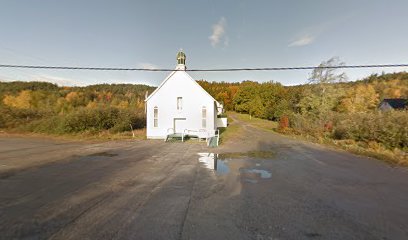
[248,167]
[103,154]
[262,173]
[211,161]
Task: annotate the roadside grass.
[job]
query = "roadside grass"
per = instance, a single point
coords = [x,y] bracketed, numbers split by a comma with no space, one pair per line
[233,131]
[139,134]
[258,122]
[371,149]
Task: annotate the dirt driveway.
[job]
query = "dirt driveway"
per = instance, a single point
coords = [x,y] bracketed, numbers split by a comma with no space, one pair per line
[282,189]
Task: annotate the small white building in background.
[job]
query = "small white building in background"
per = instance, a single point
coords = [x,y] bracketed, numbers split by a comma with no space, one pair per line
[180,105]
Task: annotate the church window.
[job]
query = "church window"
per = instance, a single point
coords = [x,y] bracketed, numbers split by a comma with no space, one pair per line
[179,103]
[156,117]
[204,117]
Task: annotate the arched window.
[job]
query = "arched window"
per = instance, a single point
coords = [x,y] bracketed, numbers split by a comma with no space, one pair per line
[179,103]
[156,117]
[204,117]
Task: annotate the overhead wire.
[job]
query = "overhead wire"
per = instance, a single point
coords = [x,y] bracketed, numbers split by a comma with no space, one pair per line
[202,70]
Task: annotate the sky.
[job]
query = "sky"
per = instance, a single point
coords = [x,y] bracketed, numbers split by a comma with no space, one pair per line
[213,34]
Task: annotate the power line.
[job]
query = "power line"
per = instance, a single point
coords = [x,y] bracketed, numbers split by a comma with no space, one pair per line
[203,70]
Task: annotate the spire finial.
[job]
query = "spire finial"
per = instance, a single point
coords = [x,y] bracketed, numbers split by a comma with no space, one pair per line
[181,59]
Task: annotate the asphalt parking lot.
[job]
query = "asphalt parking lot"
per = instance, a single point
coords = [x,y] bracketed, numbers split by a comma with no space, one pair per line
[272,187]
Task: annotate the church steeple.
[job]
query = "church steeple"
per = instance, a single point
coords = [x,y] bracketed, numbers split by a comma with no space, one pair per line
[181,60]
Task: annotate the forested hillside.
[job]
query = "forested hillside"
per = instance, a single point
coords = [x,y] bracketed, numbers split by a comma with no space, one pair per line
[47,108]
[344,112]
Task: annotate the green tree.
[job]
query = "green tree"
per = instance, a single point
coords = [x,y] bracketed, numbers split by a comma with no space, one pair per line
[245,96]
[323,77]
[256,107]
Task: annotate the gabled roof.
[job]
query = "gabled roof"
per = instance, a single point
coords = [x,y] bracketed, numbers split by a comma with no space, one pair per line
[396,103]
[161,84]
[169,76]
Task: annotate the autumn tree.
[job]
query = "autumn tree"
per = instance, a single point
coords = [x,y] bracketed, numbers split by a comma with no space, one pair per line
[22,100]
[362,98]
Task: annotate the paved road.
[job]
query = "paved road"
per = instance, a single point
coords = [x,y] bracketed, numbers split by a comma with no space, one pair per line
[283,189]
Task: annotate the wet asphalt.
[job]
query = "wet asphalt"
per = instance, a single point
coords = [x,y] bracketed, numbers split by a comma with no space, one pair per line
[154,190]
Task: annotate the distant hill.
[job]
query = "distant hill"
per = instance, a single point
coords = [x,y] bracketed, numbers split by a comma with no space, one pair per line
[17,86]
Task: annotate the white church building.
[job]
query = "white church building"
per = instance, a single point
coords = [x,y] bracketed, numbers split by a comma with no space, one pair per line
[181,107]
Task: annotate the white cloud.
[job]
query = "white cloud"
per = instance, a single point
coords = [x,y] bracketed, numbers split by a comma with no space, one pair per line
[308,35]
[148,66]
[58,80]
[226,41]
[218,33]
[302,41]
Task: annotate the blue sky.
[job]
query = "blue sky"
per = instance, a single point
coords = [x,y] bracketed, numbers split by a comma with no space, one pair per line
[213,34]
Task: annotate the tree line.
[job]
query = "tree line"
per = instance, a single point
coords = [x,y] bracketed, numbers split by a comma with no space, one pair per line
[48,108]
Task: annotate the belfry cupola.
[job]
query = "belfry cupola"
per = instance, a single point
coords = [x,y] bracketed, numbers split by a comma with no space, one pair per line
[181,60]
